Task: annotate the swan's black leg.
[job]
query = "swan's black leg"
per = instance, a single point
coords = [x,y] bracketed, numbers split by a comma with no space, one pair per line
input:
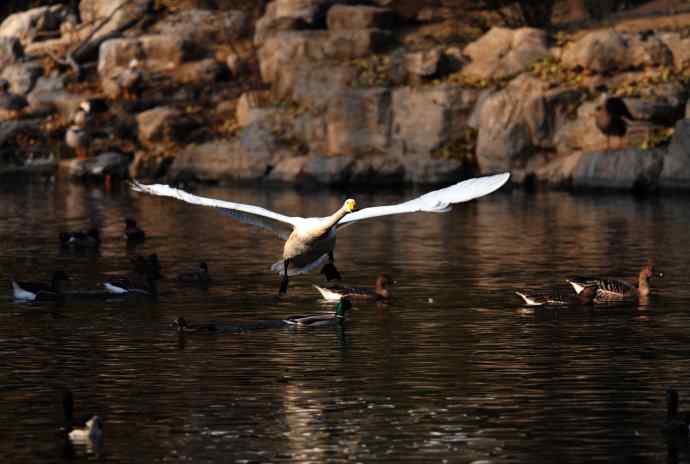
[284,282]
[329,270]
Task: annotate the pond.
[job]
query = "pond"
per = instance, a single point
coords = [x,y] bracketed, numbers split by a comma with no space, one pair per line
[454,369]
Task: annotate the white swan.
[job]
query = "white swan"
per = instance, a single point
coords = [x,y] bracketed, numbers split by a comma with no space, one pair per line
[310,241]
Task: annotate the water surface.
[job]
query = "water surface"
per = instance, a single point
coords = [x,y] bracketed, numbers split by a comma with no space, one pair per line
[454,370]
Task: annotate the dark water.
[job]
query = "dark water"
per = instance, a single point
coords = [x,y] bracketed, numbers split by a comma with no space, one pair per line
[468,376]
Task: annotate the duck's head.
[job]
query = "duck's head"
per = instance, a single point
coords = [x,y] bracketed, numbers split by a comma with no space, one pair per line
[203,266]
[350,205]
[95,423]
[179,323]
[383,282]
[651,271]
[343,305]
[133,63]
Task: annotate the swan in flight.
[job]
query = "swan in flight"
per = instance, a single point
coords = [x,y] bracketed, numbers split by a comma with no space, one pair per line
[310,241]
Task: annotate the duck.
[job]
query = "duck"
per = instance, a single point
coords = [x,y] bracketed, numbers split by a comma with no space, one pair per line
[381,290]
[79,140]
[125,286]
[31,291]
[83,116]
[80,430]
[150,265]
[81,239]
[320,320]
[182,326]
[11,103]
[556,298]
[613,290]
[309,242]
[201,275]
[133,233]
[610,117]
[676,421]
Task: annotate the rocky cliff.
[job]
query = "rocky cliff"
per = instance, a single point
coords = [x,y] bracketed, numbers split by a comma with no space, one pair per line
[336,92]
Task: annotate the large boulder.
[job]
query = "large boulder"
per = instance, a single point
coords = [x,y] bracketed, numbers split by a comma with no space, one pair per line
[360,17]
[312,85]
[199,72]
[22,76]
[426,118]
[607,51]
[676,171]
[160,124]
[311,11]
[288,48]
[253,106]
[11,51]
[205,26]
[630,169]
[505,52]
[521,121]
[60,101]
[359,122]
[26,25]
[112,13]
[154,53]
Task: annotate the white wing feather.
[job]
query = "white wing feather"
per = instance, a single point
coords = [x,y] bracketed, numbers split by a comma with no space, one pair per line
[279,224]
[437,201]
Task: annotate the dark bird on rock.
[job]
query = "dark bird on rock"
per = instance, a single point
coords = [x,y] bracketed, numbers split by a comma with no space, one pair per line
[610,118]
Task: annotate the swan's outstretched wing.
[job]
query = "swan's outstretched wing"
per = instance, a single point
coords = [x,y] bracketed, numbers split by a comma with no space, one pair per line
[254,215]
[438,201]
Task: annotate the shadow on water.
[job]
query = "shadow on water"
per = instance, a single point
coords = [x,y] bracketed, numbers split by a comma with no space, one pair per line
[454,369]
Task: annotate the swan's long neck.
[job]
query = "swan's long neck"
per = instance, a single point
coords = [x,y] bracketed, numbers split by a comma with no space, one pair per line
[333,219]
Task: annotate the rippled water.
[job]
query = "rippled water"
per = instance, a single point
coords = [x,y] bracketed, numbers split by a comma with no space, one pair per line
[454,370]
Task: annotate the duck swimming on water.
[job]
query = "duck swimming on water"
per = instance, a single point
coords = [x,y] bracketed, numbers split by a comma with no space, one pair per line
[309,242]
[31,291]
[320,320]
[381,291]
[86,430]
[556,298]
[614,290]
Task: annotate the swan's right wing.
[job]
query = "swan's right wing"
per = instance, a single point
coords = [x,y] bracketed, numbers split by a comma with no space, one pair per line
[279,224]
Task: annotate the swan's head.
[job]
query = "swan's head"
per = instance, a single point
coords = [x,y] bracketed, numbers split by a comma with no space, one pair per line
[350,205]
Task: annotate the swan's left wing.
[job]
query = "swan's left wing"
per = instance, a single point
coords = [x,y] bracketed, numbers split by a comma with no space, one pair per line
[438,201]
[279,224]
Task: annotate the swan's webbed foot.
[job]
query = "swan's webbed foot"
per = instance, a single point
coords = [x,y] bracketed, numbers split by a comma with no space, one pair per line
[331,272]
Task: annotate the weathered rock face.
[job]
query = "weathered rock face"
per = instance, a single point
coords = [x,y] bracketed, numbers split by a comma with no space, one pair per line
[504,52]
[11,51]
[65,103]
[360,17]
[253,106]
[660,110]
[26,25]
[95,11]
[22,76]
[287,48]
[313,84]
[199,72]
[607,50]
[425,63]
[159,124]
[311,11]
[521,120]
[680,48]
[204,26]
[676,171]
[359,121]
[631,169]
[426,118]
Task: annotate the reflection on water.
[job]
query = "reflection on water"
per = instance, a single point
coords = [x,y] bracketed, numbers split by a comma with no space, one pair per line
[471,376]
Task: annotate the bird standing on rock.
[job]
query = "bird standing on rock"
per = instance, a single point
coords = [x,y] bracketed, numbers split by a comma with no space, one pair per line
[610,118]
